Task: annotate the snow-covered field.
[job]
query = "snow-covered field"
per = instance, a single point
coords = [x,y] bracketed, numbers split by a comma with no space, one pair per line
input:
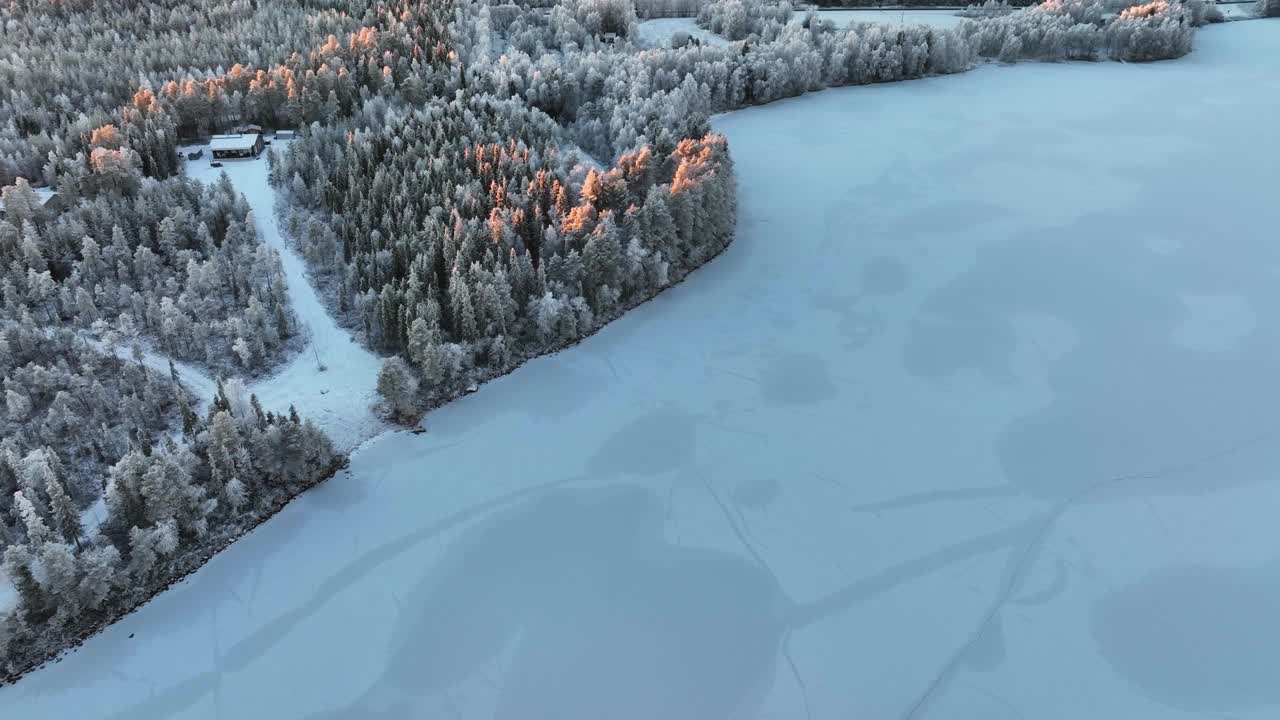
[972,421]
[339,398]
[935,18]
[658,32]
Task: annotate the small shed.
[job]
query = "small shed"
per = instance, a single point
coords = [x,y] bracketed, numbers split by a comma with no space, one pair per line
[285,134]
[236,146]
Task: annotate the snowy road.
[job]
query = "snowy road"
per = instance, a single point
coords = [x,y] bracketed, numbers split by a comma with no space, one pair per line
[975,423]
[339,398]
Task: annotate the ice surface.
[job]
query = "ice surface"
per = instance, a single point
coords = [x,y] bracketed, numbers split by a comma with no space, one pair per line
[928,441]
[658,32]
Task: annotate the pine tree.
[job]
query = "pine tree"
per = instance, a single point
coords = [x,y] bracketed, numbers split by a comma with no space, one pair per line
[399,389]
[65,518]
[98,574]
[17,404]
[126,506]
[19,563]
[37,532]
[464,316]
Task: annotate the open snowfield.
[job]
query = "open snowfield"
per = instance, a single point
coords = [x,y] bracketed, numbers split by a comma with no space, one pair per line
[974,420]
[934,18]
[338,399]
[658,32]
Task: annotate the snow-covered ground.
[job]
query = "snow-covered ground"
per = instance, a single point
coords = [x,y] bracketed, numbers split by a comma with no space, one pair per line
[1239,11]
[935,18]
[658,32]
[8,593]
[972,421]
[339,398]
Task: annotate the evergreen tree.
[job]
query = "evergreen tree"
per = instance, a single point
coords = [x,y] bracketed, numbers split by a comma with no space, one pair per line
[399,389]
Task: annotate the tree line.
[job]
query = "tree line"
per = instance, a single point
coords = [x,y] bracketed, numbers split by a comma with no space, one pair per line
[172,261]
[87,423]
[1088,30]
[453,236]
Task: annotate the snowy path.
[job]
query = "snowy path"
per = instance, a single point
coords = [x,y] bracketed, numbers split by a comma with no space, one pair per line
[975,423]
[194,379]
[340,398]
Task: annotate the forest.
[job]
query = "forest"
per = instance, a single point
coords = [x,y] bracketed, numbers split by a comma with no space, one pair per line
[82,422]
[475,183]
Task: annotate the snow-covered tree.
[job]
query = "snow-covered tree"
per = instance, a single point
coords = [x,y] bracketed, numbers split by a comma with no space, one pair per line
[398,388]
[63,512]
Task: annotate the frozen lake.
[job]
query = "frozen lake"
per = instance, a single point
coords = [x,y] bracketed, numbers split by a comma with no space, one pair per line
[975,419]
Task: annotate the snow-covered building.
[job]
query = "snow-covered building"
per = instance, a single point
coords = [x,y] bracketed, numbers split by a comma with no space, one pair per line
[47,198]
[236,146]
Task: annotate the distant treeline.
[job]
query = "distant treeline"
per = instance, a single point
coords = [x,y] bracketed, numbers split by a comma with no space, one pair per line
[904,3]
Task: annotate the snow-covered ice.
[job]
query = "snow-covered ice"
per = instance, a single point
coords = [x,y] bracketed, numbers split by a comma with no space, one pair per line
[935,18]
[658,32]
[339,399]
[950,431]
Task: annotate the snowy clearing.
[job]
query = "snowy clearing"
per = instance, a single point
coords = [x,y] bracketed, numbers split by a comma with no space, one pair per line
[970,422]
[657,33]
[338,399]
[935,18]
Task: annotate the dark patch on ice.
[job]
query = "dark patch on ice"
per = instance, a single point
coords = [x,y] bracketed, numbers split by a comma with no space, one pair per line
[796,379]
[941,217]
[649,445]
[1127,399]
[859,326]
[884,276]
[597,615]
[1197,638]
[938,346]
[756,492]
